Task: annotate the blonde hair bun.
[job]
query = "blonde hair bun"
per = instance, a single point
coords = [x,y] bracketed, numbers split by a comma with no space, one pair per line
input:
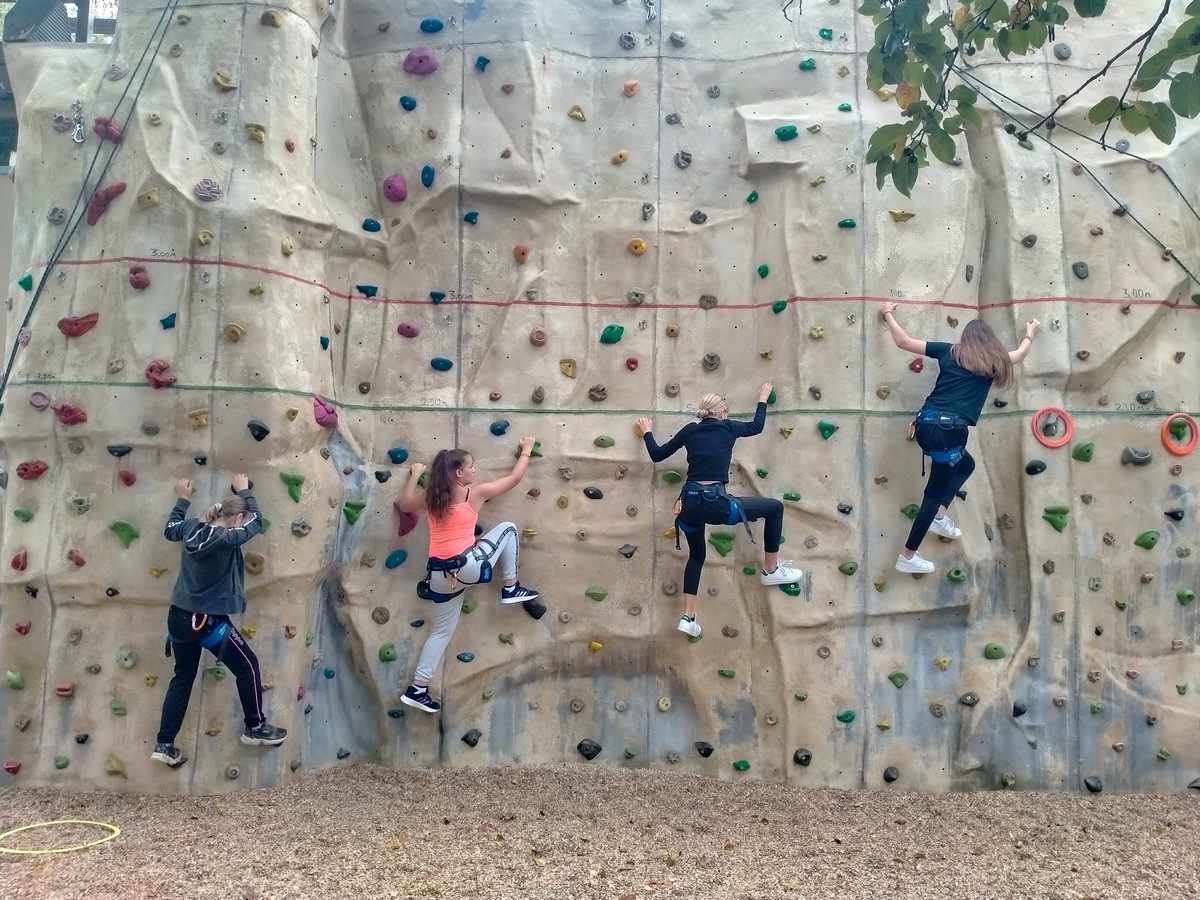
[710,405]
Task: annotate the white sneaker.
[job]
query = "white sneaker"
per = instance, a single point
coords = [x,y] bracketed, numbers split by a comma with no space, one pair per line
[782,575]
[689,626]
[918,565]
[946,528]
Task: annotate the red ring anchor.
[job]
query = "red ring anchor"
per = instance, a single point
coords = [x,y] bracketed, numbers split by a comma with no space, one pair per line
[1035,424]
[1169,443]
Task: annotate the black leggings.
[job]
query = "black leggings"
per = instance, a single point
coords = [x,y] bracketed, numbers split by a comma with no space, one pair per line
[944,482]
[755,508]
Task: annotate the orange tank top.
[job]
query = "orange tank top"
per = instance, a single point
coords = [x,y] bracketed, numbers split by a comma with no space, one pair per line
[453,534]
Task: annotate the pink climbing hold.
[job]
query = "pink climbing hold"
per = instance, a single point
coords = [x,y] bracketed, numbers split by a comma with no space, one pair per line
[917,365]
[324,413]
[154,374]
[420,61]
[40,400]
[69,414]
[74,326]
[395,187]
[21,561]
[631,364]
[300,692]
[139,278]
[31,469]
[408,520]
[100,200]
[107,129]
[23,627]
[128,477]
[407,329]
[76,557]
[12,766]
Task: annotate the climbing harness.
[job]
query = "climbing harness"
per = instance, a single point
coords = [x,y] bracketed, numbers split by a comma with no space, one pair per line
[711,504]
[930,428]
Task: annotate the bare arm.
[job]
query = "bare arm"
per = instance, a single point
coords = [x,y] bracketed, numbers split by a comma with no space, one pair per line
[1023,348]
[413,498]
[899,336]
[490,489]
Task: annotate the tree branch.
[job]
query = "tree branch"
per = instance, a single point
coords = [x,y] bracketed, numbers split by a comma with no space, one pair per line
[1132,75]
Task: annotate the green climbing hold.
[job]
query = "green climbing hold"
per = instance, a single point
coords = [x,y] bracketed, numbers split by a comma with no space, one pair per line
[749,570]
[423,481]
[792,590]
[61,762]
[1163,753]
[845,107]
[778,306]
[911,510]
[218,671]
[847,223]
[1179,428]
[993,651]
[808,65]
[126,531]
[848,568]
[26,281]
[596,593]
[604,441]
[1147,539]
[826,428]
[958,576]
[310,638]
[611,334]
[387,653]
[772,398]
[846,716]
[741,765]
[15,680]
[117,707]
[630,752]
[787,132]
[764,270]
[1185,596]
[801,695]
[791,495]
[761,472]
[507,638]
[1084,452]
[23,514]
[672,477]
[1055,518]
[1181,689]
[353,509]
[752,197]
[898,678]
[826,34]
[294,481]
[488,694]
[1096,707]
[1122,605]
[535,453]
[498,427]
[726,673]
[468,606]
[465,656]
[722,542]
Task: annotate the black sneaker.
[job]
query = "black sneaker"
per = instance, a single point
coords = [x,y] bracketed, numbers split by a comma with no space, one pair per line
[169,754]
[518,593]
[419,697]
[265,734]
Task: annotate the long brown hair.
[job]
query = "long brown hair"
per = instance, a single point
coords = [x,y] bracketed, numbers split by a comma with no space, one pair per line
[439,493]
[226,509]
[981,352]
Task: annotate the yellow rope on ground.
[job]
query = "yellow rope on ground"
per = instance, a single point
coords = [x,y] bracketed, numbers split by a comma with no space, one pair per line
[113,828]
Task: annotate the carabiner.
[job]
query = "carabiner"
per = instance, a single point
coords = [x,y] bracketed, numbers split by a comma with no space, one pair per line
[77,134]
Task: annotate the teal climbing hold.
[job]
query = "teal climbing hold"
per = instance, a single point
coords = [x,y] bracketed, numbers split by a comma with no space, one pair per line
[324,342]
[407,103]
[481,63]
[847,223]
[353,509]
[431,26]
[808,65]
[1147,539]
[764,270]
[611,334]
[826,34]
[741,764]
[367,290]
[761,472]
[722,542]
[826,428]
[330,672]
[437,297]
[294,481]
[126,531]
[441,364]
[752,197]
[167,322]
[848,568]
[396,558]
[398,455]
[778,306]
[791,495]
[471,218]
[1185,596]
[845,107]
[499,427]
[993,652]
[772,397]
[898,678]
[911,510]
[787,132]
[372,225]
[846,716]
[26,281]
[465,656]
[1084,452]
[427,175]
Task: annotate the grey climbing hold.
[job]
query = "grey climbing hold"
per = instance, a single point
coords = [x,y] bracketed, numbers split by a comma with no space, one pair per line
[1029,240]
[803,756]
[1080,269]
[708,301]
[970,698]
[1136,456]
[673,118]
[627,550]
[678,39]
[714,90]
[699,217]
[647,211]
[1062,52]
[683,159]
[671,389]
[1035,467]
[588,749]
[890,774]
[627,41]
[704,748]
[1145,397]
[711,362]
[1122,146]
[636,296]
[1050,423]
[970,273]
[1019,709]
[1093,784]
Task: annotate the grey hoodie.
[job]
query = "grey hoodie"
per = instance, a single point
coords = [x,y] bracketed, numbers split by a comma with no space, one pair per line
[211,571]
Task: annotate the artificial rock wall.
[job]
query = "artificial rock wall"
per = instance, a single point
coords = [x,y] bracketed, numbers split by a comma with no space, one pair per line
[259,258]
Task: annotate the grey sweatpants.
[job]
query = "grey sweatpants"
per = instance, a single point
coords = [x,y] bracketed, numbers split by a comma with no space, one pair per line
[498,547]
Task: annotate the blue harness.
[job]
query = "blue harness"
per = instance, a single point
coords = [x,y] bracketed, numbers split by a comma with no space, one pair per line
[946,456]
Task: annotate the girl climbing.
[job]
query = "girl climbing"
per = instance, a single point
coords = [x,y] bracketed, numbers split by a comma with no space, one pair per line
[704,500]
[208,591]
[456,559]
[966,371]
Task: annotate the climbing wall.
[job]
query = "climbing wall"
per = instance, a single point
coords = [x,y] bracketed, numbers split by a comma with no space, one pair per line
[320,242]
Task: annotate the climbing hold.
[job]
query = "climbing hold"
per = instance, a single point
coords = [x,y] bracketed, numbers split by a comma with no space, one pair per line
[957,576]
[1177,427]
[637,246]
[566,366]
[898,678]
[207,189]
[802,757]
[407,103]
[827,429]
[848,568]
[420,61]
[588,749]
[722,542]
[900,215]
[845,509]
[1136,456]
[619,157]
[1185,596]
[96,207]
[271,17]
[14,680]
[1035,467]
[324,413]
[139,279]
[258,430]
[353,510]
[786,132]
[604,441]
[711,362]
[593,493]
[428,173]
[611,334]
[294,482]
[1084,452]
[576,112]
[890,774]
[847,223]
[1057,517]
[704,748]
[993,652]
[846,716]
[126,531]
[441,363]
[1175,514]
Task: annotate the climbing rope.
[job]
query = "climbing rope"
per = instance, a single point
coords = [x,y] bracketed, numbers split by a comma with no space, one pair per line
[113,832]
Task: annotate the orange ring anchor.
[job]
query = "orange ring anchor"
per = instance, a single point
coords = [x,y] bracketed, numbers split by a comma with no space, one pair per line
[1035,423]
[1169,442]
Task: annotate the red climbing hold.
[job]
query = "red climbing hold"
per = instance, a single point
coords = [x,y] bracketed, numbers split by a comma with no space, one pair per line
[631,364]
[107,128]
[324,413]
[21,561]
[74,326]
[154,374]
[139,278]
[917,365]
[12,766]
[76,557]
[23,627]
[300,692]
[407,329]
[31,469]
[408,520]
[64,689]
[69,414]
[100,200]
[128,477]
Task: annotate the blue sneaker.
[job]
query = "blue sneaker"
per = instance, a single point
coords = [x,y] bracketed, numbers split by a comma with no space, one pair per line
[169,754]
[518,593]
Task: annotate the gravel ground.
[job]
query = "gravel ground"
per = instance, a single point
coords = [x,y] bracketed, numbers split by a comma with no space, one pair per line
[578,832]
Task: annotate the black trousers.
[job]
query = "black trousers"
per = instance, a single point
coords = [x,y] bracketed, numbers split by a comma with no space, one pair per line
[944,482]
[755,508]
[233,652]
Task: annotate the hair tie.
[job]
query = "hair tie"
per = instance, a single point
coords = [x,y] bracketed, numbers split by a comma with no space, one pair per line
[217,508]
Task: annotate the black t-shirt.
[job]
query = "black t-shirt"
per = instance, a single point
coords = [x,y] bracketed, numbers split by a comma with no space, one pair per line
[957,390]
[709,444]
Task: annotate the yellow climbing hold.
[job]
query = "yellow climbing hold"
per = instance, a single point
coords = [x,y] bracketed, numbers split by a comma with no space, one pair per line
[158,571]
[257,289]
[204,237]
[256,133]
[148,199]
[272,17]
[568,367]
[942,662]
[630,88]
[198,417]
[900,215]
[223,81]
[234,332]
[595,646]
[576,112]
[619,157]
[637,246]
[885,94]
[287,245]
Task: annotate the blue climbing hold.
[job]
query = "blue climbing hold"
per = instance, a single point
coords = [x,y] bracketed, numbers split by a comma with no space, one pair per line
[481,63]
[437,296]
[398,455]
[367,290]
[441,364]
[427,174]
[329,672]
[499,427]
[431,26]
[372,225]
[407,103]
[465,656]
[167,321]
[471,218]
[396,558]
[324,342]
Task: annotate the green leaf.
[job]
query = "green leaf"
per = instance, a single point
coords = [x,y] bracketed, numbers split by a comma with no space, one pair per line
[1018,43]
[1162,123]
[971,115]
[997,12]
[870,7]
[884,138]
[1037,33]
[942,145]
[932,83]
[1153,70]
[1061,15]
[1004,42]
[883,168]
[1134,120]
[1185,94]
[1104,110]
[1193,8]
[961,93]
[1089,9]
[904,175]
[952,125]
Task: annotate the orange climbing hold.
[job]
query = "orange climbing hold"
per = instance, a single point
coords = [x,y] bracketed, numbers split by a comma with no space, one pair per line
[1170,444]
[1040,416]
[521,253]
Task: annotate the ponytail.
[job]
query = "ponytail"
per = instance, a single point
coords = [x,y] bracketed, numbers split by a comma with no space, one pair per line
[225,509]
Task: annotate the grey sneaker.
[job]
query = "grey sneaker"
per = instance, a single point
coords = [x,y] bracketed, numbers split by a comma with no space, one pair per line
[266,735]
[169,754]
